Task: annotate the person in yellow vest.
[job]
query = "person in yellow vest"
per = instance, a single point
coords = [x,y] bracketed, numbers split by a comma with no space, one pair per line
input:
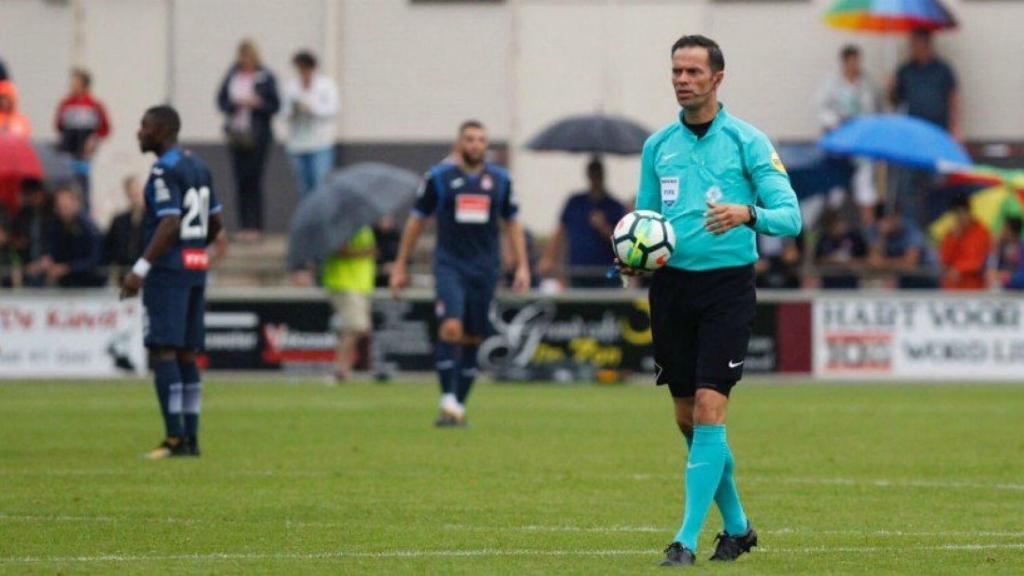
[348,276]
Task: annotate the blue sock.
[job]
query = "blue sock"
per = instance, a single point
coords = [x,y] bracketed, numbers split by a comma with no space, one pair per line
[467,372]
[192,397]
[728,499]
[168,391]
[703,472]
[447,367]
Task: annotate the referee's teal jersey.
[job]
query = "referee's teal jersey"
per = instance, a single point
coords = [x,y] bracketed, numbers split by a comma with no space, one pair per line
[734,163]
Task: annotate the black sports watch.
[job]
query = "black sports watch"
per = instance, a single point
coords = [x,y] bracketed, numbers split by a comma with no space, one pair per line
[753,215]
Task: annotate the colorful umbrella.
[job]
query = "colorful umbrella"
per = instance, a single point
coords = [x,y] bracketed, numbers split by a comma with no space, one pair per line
[893,16]
[17,158]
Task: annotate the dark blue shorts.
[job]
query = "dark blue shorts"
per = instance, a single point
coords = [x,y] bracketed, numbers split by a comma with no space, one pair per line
[174,312]
[465,297]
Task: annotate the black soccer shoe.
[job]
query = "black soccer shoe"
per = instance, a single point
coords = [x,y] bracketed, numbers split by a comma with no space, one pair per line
[170,448]
[678,555]
[729,548]
[192,446]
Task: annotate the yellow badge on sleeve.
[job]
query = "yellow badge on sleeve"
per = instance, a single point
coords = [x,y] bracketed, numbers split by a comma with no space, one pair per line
[777,162]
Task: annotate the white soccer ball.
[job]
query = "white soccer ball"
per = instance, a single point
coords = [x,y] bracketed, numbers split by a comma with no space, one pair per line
[643,239]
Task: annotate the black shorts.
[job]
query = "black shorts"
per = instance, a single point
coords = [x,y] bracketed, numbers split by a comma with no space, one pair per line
[701,324]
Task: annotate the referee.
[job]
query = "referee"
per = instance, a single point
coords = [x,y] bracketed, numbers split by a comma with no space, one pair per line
[719,182]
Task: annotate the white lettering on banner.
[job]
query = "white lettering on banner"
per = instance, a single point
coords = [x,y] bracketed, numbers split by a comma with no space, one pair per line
[928,337]
[81,337]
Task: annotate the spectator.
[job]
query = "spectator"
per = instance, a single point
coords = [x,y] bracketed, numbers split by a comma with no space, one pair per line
[897,246]
[1008,257]
[310,105]
[587,221]
[248,98]
[387,234]
[75,246]
[124,242]
[779,265]
[926,87]
[965,249]
[81,122]
[845,95]
[349,277]
[31,231]
[840,252]
[10,272]
[11,120]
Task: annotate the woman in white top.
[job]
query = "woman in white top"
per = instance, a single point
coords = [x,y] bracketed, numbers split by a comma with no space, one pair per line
[844,96]
[310,106]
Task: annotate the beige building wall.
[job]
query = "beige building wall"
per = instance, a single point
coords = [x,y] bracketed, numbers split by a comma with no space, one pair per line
[411,71]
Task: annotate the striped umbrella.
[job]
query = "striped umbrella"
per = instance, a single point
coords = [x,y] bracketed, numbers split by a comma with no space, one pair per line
[892,16]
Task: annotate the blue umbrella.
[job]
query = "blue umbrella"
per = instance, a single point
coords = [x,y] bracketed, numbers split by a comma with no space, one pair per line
[897,139]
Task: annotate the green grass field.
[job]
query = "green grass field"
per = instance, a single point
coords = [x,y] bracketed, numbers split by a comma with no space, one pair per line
[840,479]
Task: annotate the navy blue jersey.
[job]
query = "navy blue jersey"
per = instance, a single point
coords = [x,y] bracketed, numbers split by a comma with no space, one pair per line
[468,207]
[180,185]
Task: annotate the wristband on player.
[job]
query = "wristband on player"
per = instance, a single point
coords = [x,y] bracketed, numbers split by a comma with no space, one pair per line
[141,267]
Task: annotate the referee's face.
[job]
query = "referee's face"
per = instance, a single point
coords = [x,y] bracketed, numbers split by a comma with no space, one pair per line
[692,79]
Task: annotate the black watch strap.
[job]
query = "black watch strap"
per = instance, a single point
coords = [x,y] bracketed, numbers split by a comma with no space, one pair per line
[753,215]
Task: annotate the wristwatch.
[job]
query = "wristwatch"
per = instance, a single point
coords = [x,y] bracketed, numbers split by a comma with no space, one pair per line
[753,215]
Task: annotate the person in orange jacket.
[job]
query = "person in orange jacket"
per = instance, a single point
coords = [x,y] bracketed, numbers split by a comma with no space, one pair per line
[965,249]
[12,121]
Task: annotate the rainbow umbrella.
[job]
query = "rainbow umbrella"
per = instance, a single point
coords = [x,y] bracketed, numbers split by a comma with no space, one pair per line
[893,16]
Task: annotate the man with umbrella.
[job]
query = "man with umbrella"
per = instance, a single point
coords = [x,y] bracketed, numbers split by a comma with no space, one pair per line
[469,199]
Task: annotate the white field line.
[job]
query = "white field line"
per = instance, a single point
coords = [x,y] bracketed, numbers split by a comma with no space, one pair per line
[43,518]
[775,531]
[752,479]
[486,552]
[877,482]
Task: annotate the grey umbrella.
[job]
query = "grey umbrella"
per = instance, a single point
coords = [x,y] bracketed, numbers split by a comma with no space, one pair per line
[56,164]
[595,134]
[351,198]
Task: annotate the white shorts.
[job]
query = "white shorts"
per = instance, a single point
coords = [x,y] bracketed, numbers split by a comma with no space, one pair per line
[353,310]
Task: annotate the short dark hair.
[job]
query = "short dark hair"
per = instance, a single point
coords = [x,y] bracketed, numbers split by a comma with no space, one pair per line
[883,210]
[30,185]
[1014,224]
[715,58]
[304,59]
[83,75]
[960,202]
[849,51]
[921,34]
[595,167]
[168,116]
[466,125]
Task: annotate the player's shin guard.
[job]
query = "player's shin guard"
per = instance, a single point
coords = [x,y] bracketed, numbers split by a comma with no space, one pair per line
[447,369]
[467,372]
[192,395]
[703,472]
[168,390]
[728,498]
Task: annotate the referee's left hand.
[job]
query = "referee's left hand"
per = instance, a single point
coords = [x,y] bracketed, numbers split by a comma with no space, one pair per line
[720,218]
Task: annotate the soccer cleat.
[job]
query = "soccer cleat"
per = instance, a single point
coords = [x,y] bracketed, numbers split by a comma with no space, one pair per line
[678,555]
[169,448]
[191,446]
[729,548]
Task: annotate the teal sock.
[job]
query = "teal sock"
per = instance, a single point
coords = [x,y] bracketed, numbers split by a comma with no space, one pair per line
[704,469]
[728,499]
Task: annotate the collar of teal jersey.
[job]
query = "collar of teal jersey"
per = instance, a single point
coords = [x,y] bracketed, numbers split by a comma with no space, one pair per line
[716,124]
